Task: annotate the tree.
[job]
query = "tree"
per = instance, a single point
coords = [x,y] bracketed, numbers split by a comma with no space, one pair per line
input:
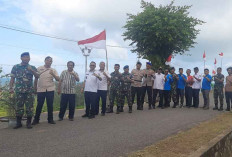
[158,32]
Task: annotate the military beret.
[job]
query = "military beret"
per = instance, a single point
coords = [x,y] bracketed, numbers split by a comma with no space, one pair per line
[25,54]
[125,67]
[149,63]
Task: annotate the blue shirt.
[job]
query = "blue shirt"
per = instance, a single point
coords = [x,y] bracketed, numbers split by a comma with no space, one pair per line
[206,84]
[167,84]
[181,82]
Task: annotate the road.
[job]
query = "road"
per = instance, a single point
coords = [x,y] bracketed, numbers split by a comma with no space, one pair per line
[109,136]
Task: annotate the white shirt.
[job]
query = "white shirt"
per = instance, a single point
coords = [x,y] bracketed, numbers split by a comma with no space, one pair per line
[102,85]
[91,84]
[159,81]
[197,84]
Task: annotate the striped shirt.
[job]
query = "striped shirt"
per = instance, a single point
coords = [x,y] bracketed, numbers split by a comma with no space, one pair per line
[68,85]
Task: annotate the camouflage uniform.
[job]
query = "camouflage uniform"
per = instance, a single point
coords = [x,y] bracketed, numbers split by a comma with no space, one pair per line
[23,89]
[115,88]
[218,90]
[125,90]
[173,94]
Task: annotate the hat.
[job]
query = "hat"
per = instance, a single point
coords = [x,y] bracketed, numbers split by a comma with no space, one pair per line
[25,54]
[149,63]
[126,67]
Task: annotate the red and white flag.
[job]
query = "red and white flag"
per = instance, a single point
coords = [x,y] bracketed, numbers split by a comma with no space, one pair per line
[98,41]
[168,61]
[204,56]
[214,70]
[221,54]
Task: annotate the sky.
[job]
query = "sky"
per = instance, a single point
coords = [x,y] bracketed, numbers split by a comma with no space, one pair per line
[81,19]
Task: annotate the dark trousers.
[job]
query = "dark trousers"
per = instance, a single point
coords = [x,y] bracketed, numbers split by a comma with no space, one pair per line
[40,102]
[90,103]
[70,100]
[180,95]
[136,91]
[166,98]
[147,89]
[155,93]
[188,96]
[101,94]
[206,97]
[228,99]
[196,97]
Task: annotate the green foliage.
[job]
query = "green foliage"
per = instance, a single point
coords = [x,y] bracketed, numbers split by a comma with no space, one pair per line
[158,32]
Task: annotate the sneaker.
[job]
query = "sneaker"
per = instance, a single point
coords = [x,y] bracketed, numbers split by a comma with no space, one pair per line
[60,119]
[91,116]
[71,119]
[102,114]
[35,122]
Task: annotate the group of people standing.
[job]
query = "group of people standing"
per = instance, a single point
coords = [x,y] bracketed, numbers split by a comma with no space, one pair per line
[162,86]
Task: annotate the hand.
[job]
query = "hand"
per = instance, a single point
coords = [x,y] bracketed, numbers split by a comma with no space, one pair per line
[72,73]
[58,91]
[104,74]
[11,90]
[51,72]
[170,77]
[82,90]
[29,68]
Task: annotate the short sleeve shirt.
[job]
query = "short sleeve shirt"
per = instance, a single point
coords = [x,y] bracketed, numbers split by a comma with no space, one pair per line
[115,80]
[102,85]
[159,81]
[91,81]
[181,82]
[46,80]
[137,76]
[24,78]
[196,83]
[219,84]
[206,85]
[167,84]
[147,78]
[125,83]
[228,86]
[68,85]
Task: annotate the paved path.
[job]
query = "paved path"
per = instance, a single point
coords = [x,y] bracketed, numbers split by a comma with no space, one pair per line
[109,136]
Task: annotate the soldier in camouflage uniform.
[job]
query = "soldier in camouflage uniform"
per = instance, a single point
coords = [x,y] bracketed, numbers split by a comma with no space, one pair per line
[218,89]
[125,89]
[114,87]
[173,94]
[23,73]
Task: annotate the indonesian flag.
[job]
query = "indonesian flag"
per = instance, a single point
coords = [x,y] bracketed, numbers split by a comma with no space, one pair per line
[214,70]
[204,56]
[221,54]
[98,41]
[168,61]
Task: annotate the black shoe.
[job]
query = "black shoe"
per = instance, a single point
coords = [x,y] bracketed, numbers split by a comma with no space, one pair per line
[118,111]
[60,119]
[29,122]
[85,115]
[102,114]
[110,110]
[227,109]
[149,108]
[174,106]
[35,122]
[162,107]
[51,122]
[221,109]
[121,109]
[91,116]
[153,106]
[71,119]
[18,124]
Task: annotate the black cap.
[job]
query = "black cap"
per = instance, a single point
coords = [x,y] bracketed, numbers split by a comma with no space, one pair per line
[25,54]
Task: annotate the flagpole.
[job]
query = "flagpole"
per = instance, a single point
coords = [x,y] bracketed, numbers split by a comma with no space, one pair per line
[221,62]
[107,65]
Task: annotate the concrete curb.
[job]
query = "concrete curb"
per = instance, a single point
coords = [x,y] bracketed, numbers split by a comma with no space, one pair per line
[204,150]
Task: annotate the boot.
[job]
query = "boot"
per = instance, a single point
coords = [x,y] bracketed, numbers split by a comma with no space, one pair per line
[110,110]
[35,121]
[18,124]
[118,110]
[130,109]
[29,122]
